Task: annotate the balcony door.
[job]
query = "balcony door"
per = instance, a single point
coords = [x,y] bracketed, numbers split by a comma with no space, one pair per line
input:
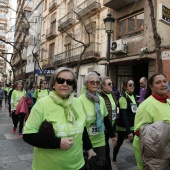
[67,47]
[51,53]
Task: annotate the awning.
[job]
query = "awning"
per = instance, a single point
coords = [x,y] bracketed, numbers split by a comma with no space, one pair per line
[123,59]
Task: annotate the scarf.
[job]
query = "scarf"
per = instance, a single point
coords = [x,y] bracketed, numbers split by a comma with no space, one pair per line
[160,98]
[95,99]
[70,112]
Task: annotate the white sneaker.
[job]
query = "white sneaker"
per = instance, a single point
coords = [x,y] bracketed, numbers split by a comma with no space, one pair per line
[114,166]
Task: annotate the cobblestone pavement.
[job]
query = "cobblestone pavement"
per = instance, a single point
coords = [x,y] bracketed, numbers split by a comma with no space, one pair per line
[15,154]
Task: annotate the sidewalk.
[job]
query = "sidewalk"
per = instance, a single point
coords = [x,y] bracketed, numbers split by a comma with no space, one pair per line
[15,154]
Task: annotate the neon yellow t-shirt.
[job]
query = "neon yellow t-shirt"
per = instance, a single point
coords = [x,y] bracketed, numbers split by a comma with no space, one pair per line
[123,105]
[16,96]
[113,108]
[51,159]
[97,138]
[38,94]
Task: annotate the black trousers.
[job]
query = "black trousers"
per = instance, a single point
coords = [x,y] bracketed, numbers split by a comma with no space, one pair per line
[122,135]
[107,150]
[18,118]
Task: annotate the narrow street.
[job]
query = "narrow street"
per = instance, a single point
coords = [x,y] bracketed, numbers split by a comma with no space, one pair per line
[15,154]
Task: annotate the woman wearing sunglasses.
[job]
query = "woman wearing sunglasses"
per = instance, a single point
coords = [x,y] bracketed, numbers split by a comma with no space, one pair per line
[42,91]
[56,126]
[111,104]
[96,114]
[127,110]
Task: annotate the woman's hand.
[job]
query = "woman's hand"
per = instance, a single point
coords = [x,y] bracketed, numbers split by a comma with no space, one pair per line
[66,143]
[114,141]
[91,153]
[130,136]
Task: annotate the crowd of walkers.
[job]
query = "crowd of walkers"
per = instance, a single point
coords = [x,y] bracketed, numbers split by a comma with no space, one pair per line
[73,133]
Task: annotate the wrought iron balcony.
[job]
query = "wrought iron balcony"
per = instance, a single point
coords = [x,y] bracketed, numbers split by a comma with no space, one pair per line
[51,32]
[116,4]
[88,7]
[66,22]
[48,63]
[73,55]
[53,4]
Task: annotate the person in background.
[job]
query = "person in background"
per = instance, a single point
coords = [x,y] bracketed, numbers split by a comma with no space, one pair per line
[12,88]
[6,91]
[83,90]
[143,86]
[2,95]
[17,94]
[30,92]
[42,91]
[56,126]
[127,109]
[110,100]
[116,92]
[97,118]
[154,108]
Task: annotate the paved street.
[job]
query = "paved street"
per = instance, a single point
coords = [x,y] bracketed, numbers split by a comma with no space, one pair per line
[15,154]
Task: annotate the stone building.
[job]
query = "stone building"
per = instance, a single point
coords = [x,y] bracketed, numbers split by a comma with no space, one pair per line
[3,29]
[133,52]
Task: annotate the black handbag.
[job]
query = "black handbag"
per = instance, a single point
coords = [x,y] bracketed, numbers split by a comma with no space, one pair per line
[97,163]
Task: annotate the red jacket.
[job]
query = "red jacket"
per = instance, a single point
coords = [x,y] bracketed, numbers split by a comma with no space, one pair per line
[23,106]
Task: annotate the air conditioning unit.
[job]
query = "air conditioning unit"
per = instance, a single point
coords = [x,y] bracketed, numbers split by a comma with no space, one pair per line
[118,46]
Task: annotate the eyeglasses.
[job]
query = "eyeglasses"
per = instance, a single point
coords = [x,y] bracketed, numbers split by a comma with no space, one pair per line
[68,81]
[110,84]
[94,82]
[130,85]
[44,83]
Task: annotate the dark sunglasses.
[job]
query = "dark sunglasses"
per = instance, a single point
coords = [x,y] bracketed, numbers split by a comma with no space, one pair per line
[44,83]
[68,81]
[94,82]
[110,84]
[130,85]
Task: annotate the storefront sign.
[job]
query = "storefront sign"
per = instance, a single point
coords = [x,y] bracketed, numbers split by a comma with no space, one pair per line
[39,72]
[164,13]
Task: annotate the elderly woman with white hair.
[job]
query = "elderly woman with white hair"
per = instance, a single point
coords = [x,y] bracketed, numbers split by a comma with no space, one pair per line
[96,114]
[56,126]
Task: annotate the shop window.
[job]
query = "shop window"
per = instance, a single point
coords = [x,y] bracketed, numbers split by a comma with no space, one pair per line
[131,24]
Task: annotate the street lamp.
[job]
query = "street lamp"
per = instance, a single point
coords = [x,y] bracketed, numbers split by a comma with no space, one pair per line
[108,21]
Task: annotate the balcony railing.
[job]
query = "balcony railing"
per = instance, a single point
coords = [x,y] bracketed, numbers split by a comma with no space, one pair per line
[88,6]
[51,32]
[52,5]
[73,55]
[67,21]
[49,63]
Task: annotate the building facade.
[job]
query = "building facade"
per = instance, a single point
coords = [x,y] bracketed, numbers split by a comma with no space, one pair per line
[133,50]
[69,26]
[19,59]
[33,40]
[3,29]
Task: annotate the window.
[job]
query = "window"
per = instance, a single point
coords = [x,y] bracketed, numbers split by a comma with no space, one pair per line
[51,51]
[68,50]
[27,13]
[132,24]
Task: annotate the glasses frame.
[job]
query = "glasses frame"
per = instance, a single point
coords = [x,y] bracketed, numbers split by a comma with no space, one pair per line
[94,82]
[70,82]
[110,84]
[131,84]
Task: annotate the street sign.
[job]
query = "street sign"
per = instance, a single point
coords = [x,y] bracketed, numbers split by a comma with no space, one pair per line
[39,72]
